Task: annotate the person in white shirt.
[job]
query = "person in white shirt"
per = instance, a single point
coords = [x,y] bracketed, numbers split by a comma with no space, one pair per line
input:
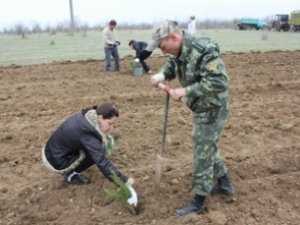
[111,47]
[192,26]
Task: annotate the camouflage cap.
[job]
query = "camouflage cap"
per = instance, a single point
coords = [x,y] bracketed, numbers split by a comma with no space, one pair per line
[162,31]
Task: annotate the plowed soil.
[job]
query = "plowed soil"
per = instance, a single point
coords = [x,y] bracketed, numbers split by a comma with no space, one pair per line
[260,144]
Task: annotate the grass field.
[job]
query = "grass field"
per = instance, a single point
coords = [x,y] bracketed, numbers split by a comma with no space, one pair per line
[43,48]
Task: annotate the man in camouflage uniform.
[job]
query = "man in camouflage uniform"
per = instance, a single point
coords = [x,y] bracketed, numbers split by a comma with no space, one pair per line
[201,72]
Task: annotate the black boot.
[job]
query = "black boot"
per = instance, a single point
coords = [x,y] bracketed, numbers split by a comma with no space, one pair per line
[224,186]
[76,178]
[195,206]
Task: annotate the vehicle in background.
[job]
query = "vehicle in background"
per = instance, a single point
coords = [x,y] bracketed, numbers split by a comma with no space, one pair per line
[294,20]
[285,22]
[251,24]
[280,22]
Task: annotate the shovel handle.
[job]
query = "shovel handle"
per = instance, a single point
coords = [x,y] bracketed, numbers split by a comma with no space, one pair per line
[167,103]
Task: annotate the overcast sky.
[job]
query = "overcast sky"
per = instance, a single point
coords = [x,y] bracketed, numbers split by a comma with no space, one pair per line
[99,11]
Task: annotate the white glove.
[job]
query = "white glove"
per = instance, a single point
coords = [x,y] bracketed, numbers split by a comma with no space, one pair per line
[133,200]
[137,60]
[157,78]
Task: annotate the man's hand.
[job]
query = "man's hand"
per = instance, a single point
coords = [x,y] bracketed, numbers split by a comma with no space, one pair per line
[164,87]
[177,93]
[157,78]
[117,43]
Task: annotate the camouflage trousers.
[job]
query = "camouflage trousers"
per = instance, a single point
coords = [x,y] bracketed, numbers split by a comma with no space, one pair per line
[207,162]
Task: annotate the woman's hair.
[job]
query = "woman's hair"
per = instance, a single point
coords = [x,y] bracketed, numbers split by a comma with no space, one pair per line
[106,110]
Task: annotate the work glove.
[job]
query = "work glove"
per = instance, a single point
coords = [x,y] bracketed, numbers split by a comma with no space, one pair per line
[157,78]
[144,55]
[133,199]
[137,60]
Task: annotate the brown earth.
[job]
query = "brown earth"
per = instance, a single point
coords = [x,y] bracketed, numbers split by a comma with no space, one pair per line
[261,144]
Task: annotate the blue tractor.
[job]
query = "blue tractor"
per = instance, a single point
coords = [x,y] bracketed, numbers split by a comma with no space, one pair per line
[251,24]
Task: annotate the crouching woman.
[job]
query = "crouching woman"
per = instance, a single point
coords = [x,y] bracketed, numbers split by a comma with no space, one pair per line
[81,141]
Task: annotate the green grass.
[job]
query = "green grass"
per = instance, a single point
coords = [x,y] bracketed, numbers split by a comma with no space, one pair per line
[37,48]
[245,41]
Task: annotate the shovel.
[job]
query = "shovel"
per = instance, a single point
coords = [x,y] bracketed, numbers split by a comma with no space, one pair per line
[159,158]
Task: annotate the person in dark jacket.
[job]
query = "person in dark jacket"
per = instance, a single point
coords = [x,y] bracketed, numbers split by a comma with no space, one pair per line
[81,141]
[139,47]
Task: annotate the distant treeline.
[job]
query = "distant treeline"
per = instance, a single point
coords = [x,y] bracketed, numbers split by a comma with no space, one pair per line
[23,30]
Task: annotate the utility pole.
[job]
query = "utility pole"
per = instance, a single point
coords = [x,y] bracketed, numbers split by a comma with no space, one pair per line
[72,23]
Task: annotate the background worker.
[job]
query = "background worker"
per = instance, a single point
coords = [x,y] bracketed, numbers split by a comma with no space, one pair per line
[191,29]
[111,47]
[81,141]
[201,72]
[139,47]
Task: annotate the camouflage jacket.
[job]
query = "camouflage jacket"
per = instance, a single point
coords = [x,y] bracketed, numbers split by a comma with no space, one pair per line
[201,71]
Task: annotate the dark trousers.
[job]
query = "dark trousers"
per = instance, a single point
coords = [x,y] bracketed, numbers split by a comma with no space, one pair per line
[145,66]
[85,164]
[111,53]
[60,163]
